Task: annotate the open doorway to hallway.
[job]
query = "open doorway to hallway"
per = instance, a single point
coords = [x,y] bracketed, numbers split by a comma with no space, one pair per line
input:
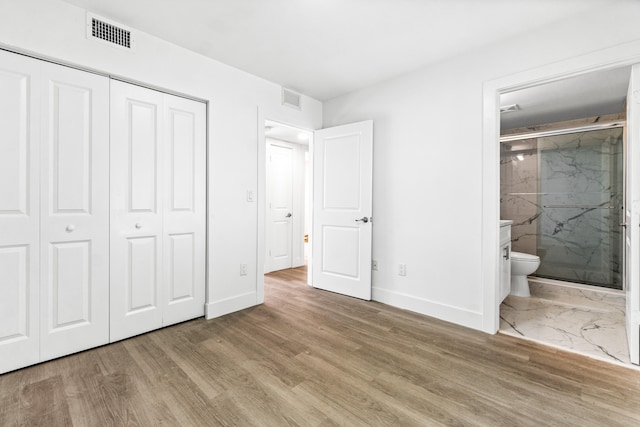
[288,196]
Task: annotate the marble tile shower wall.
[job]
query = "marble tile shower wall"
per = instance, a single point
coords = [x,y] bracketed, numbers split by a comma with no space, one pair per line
[564,194]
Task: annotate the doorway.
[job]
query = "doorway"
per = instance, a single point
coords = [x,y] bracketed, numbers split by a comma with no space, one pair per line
[339,190]
[532,82]
[287,202]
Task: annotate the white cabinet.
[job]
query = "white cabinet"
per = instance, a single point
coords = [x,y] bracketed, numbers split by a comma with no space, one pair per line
[505,261]
[157,209]
[82,263]
[54,222]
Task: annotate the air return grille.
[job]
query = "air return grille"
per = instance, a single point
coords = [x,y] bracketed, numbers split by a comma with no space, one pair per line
[103,30]
[291,98]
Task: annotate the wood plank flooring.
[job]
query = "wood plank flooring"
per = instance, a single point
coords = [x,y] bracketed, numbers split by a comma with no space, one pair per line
[312,358]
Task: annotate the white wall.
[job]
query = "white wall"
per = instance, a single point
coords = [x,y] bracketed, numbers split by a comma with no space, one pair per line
[55,29]
[428,171]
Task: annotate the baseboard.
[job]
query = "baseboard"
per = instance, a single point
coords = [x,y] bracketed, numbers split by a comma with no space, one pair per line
[470,319]
[230,305]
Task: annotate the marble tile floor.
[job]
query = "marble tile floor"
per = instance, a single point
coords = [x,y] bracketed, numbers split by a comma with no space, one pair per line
[588,322]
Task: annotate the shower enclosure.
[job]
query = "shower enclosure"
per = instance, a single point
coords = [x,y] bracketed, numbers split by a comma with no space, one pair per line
[564,193]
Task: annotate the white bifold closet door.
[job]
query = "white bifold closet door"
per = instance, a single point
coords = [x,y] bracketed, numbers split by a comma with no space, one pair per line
[54,253]
[19,211]
[158,219]
[74,211]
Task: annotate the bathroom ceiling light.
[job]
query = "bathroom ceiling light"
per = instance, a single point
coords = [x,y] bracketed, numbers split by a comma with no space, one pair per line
[509,108]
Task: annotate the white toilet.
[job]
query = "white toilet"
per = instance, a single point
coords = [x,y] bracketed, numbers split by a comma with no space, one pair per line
[522,265]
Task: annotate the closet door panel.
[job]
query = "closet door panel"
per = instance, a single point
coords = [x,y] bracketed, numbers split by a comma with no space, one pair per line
[19,211]
[141,282]
[70,285]
[136,210]
[185,210]
[74,211]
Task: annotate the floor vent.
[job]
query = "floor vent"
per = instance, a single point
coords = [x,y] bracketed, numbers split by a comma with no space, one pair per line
[108,32]
[291,99]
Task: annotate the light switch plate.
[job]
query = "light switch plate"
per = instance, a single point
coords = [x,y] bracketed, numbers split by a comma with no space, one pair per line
[402,269]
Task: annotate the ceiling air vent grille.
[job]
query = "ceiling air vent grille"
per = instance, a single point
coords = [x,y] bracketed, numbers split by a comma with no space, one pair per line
[291,99]
[108,32]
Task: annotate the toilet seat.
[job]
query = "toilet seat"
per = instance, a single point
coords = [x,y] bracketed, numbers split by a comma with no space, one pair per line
[522,257]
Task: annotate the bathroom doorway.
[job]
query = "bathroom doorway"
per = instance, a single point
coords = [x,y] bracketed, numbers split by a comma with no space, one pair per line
[563,181]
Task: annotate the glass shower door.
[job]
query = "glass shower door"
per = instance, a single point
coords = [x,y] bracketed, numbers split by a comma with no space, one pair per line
[580,200]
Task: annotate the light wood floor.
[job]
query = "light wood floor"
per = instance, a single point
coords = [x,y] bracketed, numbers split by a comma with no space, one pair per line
[313,358]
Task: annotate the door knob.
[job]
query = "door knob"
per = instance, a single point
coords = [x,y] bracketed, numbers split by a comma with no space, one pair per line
[138,225]
[289,215]
[70,228]
[363,219]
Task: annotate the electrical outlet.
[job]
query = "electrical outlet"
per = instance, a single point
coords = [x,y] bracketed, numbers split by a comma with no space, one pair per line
[402,269]
[243,269]
[374,265]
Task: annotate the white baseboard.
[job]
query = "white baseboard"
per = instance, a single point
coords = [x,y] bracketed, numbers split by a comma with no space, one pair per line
[230,305]
[448,313]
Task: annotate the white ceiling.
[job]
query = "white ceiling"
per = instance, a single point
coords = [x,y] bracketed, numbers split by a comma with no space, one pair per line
[588,95]
[325,48]
[282,132]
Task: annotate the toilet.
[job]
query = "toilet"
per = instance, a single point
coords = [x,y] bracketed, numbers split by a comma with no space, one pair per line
[522,265]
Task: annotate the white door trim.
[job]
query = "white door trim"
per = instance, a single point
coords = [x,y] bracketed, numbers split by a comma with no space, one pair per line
[618,56]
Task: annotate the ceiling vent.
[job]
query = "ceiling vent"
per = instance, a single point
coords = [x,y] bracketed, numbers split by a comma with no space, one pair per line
[108,32]
[509,108]
[291,99]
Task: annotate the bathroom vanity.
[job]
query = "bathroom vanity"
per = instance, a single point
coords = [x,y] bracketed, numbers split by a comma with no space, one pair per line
[505,260]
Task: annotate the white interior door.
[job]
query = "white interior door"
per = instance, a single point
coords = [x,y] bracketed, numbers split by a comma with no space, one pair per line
[136,210]
[74,269]
[184,213]
[632,216]
[342,209]
[280,167]
[19,211]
